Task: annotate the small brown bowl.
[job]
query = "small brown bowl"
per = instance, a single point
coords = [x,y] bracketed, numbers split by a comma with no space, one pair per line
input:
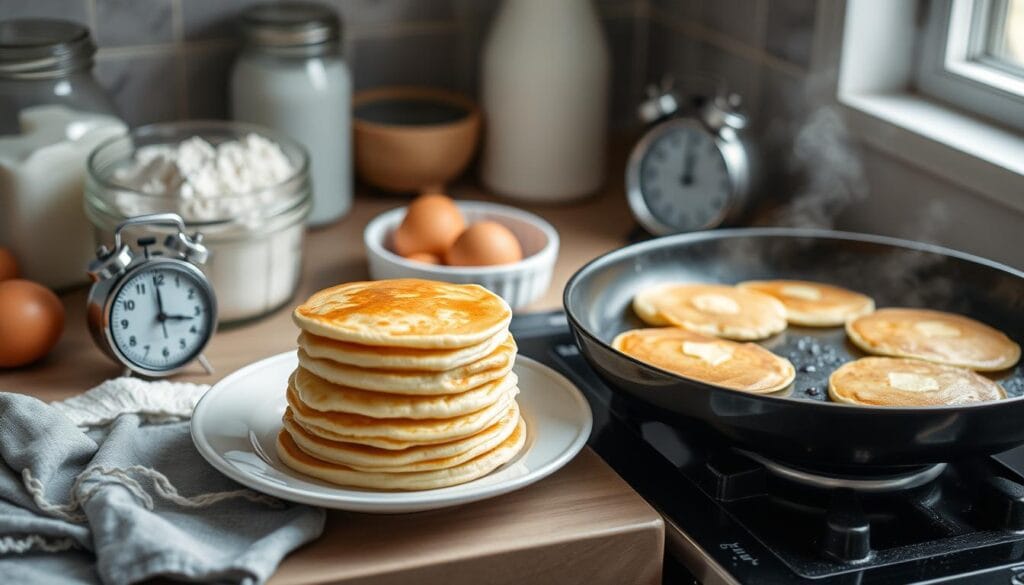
[413,139]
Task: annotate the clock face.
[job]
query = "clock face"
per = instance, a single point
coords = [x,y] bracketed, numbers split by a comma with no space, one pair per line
[684,180]
[161,317]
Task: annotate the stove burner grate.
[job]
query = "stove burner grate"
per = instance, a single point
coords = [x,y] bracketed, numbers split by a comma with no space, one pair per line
[878,484]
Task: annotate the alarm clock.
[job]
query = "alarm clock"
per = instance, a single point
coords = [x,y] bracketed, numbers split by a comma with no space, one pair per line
[152,312]
[691,171]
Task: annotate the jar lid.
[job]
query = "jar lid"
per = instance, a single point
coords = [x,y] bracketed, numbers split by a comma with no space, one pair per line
[290,24]
[38,48]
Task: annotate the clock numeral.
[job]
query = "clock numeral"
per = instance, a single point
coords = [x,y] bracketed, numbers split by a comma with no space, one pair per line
[140,288]
[145,347]
[158,279]
[177,281]
[132,342]
[191,293]
[181,343]
[129,305]
[198,311]
[166,352]
[124,323]
[192,329]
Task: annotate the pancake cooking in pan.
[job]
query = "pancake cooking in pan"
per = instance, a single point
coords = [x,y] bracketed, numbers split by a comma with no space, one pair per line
[934,336]
[741,366]
[712,309]
[814,304]
[883,381]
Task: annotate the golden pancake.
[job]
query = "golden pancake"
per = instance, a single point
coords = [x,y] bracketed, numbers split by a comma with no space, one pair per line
[813,304]
[354,428]
[319,394]
[420,383]
[300,461]
[747,367]
[420,458]
[934,336]
[398,358]
[883,381]
[405,313]
[713,309]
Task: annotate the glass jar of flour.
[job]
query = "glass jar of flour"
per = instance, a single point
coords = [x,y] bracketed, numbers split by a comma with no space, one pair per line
[291,77]
[52,114]
[244,187]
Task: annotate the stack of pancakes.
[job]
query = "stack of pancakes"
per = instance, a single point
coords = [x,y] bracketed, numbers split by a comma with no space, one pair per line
[402,385]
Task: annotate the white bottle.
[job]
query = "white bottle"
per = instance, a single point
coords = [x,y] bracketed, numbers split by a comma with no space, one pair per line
[545,73]
[292,78]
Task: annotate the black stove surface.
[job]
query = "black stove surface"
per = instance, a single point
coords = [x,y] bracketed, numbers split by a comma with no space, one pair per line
[728,518]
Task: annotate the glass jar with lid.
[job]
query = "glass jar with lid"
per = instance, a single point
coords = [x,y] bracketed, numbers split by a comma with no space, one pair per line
[291,77]
[52,114]
[255,236]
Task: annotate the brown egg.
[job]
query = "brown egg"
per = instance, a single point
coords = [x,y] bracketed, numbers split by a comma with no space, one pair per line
[8,265]
[485,243]
[431,224]
[31,321]
[424,257]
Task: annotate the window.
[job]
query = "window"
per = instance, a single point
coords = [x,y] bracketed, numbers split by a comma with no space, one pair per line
[972,56]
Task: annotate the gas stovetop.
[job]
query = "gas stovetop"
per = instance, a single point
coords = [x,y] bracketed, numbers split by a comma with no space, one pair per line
[734,517]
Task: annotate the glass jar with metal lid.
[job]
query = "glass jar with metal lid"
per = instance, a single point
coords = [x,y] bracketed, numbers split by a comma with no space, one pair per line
[52,114]
[291,77]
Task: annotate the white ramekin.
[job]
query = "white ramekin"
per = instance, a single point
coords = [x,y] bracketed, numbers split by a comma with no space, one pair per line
[519,284]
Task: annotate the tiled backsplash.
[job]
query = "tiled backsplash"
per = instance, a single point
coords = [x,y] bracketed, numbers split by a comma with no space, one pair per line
[166,59]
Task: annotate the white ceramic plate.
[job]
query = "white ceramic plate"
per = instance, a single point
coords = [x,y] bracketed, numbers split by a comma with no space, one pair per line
[235,427]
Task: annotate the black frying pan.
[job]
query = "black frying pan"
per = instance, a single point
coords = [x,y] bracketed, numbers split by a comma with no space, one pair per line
[804,428]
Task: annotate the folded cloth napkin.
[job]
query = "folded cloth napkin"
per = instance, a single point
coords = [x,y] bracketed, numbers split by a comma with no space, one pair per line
[107,487]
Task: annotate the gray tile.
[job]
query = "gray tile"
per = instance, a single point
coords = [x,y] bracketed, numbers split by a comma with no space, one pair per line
[358,13]
[678,9]
[790,30]
[736,18]
[626,80]
[131,22]
[207,81]
[738,74]
[212,19]
[75,10]
[417,59]
[145,88]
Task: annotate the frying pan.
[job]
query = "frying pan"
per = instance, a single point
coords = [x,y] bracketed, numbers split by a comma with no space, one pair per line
[803,427]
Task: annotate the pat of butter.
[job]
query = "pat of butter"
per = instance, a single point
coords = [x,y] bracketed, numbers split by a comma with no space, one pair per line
[712,353]
[801,291]
[912,382]
[718,304]
[936,329]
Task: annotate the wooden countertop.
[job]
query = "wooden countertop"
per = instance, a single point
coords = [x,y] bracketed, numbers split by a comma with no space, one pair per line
[581,525]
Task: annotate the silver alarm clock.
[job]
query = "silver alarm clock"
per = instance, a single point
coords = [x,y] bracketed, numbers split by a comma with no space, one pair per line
[154,311]
[692,170]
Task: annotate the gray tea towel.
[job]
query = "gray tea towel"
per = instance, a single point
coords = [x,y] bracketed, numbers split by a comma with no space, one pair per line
[107,487]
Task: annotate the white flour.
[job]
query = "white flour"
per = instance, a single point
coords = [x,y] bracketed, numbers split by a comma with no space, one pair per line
[232,180]
[42,173]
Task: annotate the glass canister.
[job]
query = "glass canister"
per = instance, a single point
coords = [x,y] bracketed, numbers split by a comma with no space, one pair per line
[255,238]
[52,114]
[291,77]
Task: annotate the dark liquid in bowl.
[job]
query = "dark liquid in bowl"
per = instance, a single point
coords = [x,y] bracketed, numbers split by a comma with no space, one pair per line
[410,112]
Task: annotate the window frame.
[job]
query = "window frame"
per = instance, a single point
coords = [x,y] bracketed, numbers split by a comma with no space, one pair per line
[953,64]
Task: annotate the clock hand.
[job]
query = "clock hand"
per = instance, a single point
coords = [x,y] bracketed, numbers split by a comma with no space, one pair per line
[687,178]
[160,316]
[178,317]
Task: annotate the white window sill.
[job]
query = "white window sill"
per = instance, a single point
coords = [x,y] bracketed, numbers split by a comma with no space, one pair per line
[957,147]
